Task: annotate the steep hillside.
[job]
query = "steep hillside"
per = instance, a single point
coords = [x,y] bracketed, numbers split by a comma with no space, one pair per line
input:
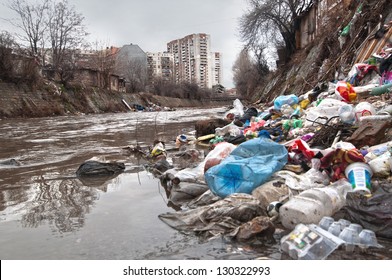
[324,59]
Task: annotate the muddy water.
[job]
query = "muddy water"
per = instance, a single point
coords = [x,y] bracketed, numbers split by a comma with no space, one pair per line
[48,213]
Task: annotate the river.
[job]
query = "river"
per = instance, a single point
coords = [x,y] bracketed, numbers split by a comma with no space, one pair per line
[46,212]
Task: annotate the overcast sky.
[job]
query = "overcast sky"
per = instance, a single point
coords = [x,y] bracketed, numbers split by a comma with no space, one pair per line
[151,24]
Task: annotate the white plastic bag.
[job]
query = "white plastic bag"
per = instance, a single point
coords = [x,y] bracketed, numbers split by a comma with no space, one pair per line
[381,165]
[238,109]
[327,109]
[196,174]
[231,129]
[311,179]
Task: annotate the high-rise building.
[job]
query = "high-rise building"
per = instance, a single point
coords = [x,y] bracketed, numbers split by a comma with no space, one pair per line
[216,68]
[194,62]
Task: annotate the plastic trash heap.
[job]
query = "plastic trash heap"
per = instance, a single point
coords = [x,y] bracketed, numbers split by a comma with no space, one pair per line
[248,166]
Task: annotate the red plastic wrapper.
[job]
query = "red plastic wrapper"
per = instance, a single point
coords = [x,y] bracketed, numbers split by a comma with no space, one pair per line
[346,91]
[300,146]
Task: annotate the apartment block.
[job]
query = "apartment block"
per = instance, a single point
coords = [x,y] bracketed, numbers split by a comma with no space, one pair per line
[216,70]
[160,65]
[194,62]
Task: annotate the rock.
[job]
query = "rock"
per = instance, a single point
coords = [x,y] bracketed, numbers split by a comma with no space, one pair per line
[258,227]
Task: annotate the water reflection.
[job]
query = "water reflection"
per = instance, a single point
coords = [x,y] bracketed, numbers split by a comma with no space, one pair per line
[13,199]
[63,204]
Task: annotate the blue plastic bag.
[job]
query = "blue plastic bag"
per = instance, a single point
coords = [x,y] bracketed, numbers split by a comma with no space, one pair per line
[248,166]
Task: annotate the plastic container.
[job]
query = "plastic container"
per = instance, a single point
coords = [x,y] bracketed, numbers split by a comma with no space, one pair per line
[347,114]
[350,235]
[335,228]
[357,227]
[381,166]
[326,222]
[364,109]
[309,242]
[315,243]
[182,138]
[359,175]
[351,238]
[311,205]
[368,237]
[344,223]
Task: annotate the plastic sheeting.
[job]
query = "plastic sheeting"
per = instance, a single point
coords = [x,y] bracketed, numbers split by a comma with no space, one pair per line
[184,192]
[373,212]
[221,217]
[248,166]
[196,174]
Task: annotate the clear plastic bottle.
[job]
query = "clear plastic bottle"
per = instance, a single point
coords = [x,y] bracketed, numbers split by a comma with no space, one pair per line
[311,205]
[347,114]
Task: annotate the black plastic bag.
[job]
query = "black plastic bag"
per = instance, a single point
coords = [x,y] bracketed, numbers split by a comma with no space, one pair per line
[96,168]
[251,112]
[374,213]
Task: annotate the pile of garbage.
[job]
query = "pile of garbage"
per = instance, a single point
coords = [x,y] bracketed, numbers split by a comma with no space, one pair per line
[292,164]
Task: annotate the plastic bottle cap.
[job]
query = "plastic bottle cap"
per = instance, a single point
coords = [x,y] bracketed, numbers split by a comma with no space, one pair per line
[182,138]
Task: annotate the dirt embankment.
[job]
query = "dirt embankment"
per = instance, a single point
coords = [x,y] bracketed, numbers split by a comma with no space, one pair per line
[325,58]
[20,101]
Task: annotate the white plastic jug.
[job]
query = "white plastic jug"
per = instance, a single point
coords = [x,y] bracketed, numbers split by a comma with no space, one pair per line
[311,205]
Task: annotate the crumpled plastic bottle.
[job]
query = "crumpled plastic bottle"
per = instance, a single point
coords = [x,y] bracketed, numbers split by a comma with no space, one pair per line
[347,114]
[285,99]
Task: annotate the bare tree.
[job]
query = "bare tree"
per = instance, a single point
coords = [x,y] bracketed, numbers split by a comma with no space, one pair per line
[104,60]
[67,35]
[55,24]
[135,72]
[272,20]
[246,75]
[7,45]
[7,40]
[260,61]
[31,22]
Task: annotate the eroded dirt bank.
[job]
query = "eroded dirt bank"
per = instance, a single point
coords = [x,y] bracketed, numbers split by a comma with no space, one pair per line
[21,101]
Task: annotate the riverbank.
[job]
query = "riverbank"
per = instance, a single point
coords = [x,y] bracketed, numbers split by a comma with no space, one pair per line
[20,101]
